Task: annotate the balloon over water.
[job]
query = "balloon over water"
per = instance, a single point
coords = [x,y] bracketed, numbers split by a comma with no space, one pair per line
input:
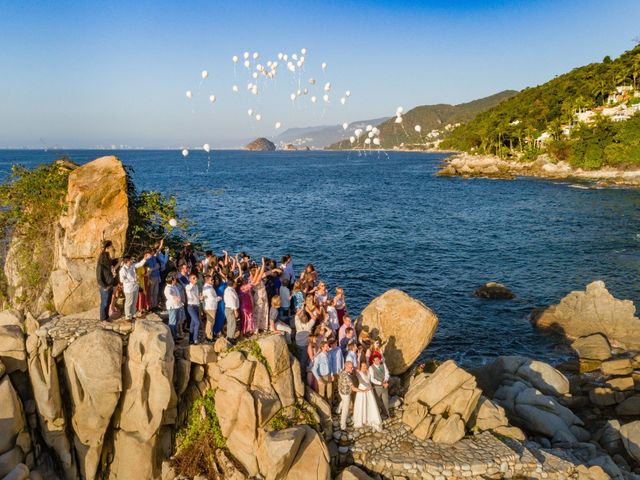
[204,74]
[235,59]
[258,117]
[235,88]
[325,97]
[314,99]
[324,65]
[348,93]
[376,141]
[189,94]
[352,139]
[185,152]
[173,222]
[343,100]
[212,98]
[345,125]
[206,147]
[278,125]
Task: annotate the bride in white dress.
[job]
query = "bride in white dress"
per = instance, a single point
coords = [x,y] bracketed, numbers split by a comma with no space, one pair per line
[365,407]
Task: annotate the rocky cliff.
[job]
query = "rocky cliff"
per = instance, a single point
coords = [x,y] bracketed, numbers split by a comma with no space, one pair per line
[260,145]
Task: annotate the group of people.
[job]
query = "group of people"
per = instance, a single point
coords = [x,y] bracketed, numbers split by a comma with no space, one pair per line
[238,297]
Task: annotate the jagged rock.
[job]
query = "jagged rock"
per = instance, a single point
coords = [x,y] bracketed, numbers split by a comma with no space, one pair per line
[11,317]
[494,291]
[298,383]
[260,145]
[609,436]
[266,398]
[19,472]
[231,361]
[592,347]
[12,420]
[43,373]
[591,473]
[12,348]
[353,473]
[312,459]
[511,432]
[324,411]
[97,209]
[238,423]
[181,375]
[201,354]
[94,376]
[277,451]
[488,416]
[630,434]
[10,460]
[405,325]
[621,366]
[621,383]
[605,397]
[595,310]
[229,469]
[630,406]
[221,345]
[449,430]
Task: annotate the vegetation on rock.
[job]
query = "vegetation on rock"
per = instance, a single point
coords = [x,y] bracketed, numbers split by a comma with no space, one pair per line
[31,202]
[250,346]
[297,414]
[511,128]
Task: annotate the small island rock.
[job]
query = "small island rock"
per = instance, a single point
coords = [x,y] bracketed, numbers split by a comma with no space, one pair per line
[494,291]
[260,145]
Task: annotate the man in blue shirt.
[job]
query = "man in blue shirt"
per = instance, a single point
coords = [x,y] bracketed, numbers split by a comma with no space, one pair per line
[322,371]
[153,264]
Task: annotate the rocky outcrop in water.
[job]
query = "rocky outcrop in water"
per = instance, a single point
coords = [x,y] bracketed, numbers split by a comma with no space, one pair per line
[593,311]
[260,145]
[405,325]
[494,291]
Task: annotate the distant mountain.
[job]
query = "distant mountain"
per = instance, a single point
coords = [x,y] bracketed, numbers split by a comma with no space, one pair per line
[322,135]
[435,121]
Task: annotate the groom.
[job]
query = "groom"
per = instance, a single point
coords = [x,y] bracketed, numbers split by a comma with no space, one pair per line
[379,376]
[345,387]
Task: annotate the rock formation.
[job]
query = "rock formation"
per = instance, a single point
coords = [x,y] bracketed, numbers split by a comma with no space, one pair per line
[405,325]
[593,311]
[494,291]
[260,145]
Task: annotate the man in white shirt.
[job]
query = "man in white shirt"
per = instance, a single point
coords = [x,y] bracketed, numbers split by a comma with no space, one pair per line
[211,300]
[379,377]
[287,269]
[130,287]
[231,309]
[173,303]
[193,308]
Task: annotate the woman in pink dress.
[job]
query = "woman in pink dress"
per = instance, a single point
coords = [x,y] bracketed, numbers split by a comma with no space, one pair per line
[260,299]
[245,294]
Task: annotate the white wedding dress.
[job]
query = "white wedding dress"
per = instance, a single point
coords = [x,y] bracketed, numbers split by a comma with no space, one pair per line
[365,407]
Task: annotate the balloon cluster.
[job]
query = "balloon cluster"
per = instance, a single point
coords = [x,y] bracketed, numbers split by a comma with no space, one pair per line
[260,73]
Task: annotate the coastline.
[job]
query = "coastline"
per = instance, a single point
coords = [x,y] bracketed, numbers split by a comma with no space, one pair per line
[491,166]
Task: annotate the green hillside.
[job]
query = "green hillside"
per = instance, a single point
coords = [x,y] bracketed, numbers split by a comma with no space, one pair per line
[429,117]
[559,107]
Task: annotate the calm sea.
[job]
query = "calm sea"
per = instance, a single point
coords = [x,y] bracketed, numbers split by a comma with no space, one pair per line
[379,221]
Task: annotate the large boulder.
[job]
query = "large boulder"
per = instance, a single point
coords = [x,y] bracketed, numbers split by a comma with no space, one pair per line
[97,209]
[405,324]
[312,458]
[94,377]
[630,434]
[592,347]
[43,373]
[12,420]
[592,311]
[12,348]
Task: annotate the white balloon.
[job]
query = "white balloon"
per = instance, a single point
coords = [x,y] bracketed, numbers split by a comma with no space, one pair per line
[173,222]
[235,88]
[285,57]
[189,94]
[313,99]
[376,141]
[358,132]
[258,117]
[352,139]
[235,59]
[278,125]
[245,55]
[399,110]
[292,97]
[294,56]
[204,74]
[259,67]
[280,56]
[247,63]
[254,89]
[305,91]
[298,93]
[367,141]
[291,66]
[417,128]
[212,98]
[371,135]
[345,125]
[312,81]
[369,128]
[254,75]
[299,64]
[256,55]
[249,86]
[343,100]
[325,97]
[185,152]
[250,112]
[269,63]
[206,147]
[348,93]
[303,51]
[302,59]
[324,65]
[398,119]
[327,87]
[375,130]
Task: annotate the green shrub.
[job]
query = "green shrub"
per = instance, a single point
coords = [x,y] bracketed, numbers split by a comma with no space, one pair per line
[250,346]
[297,414]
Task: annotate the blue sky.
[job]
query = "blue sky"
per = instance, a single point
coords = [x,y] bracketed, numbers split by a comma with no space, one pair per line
[83,73]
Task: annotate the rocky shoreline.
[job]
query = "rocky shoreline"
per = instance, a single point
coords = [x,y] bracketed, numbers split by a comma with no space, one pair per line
[490,166]
[80,398]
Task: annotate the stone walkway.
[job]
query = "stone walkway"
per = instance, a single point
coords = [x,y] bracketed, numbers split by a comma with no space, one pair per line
[396,453]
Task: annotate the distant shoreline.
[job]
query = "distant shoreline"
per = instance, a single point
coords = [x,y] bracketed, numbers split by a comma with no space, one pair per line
[490,166]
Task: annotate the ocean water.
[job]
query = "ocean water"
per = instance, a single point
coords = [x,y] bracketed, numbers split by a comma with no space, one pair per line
[379,221]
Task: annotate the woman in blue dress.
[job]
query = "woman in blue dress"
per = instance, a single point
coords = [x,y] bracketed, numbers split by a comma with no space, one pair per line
[220,285]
